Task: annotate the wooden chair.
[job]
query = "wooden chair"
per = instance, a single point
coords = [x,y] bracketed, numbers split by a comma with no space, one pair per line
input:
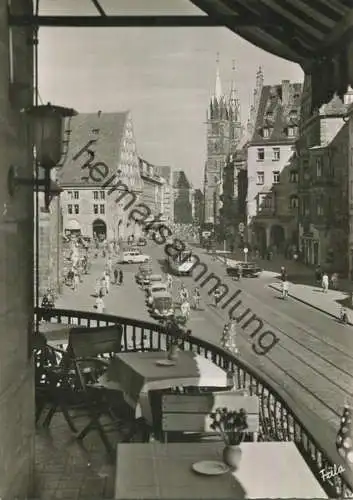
[87,356]
[188,416]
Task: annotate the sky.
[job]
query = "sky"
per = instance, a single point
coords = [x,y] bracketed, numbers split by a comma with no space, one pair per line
[164,76]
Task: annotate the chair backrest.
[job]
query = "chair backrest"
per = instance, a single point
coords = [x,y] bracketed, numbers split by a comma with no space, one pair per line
[191,413]
[91,342]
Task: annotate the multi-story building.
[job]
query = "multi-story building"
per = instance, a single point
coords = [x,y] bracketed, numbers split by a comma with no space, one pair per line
[233,211]
[198,205]
[153,193]
[323,158]
[271,212]
[166,173]
[223,134]
[182,198]
[104,140]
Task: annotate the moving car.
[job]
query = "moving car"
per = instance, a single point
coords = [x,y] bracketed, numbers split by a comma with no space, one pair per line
[141,242]
[248,269]
[134,257]
[155,288]
[151,279]
[162,305]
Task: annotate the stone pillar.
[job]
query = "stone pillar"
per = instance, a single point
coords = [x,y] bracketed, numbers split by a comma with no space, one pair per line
[16,261]
[268,236]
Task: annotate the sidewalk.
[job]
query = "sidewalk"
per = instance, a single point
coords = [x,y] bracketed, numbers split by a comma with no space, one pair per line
[328,303]
[311,295]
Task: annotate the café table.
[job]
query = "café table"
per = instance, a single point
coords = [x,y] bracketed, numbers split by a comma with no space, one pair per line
[164,471]
[138,373]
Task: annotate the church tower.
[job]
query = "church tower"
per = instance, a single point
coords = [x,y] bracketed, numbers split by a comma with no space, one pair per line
[235,126]
[223,135]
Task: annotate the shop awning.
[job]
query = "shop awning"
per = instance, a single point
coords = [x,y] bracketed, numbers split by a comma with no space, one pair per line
[73,225]
[317,34]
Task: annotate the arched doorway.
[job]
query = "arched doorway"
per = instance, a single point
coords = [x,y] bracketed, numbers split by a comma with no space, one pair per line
[277,236]
[260,238]
[99,228]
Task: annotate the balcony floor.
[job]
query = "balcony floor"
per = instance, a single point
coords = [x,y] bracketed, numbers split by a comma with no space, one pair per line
[66,470]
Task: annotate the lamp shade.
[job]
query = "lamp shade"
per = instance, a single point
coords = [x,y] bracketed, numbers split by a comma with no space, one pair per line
[47,126]
[344,440]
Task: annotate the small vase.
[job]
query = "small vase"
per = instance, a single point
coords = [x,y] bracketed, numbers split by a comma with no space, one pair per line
[173,352]
[232,456]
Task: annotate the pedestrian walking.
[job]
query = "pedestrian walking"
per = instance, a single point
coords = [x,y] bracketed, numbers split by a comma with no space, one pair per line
[107,281]
[116,276]
[76,281]
[283,273]
[318,274]
[100,304]
[121,277]
[325,283]
[97,287]
[169,282]
[334,281]
[185,309]
[216,296]
[285,289]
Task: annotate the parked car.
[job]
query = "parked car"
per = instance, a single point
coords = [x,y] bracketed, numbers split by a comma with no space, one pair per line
[162,305]
[145,270]
[155,288]
[141,242]
[248,270]
[134,257]
[152,278]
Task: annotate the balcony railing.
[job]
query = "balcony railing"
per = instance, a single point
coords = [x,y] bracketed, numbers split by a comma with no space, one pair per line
[278,420]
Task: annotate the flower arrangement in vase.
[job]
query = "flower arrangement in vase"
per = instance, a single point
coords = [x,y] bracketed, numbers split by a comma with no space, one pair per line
[232,426]
[177,335]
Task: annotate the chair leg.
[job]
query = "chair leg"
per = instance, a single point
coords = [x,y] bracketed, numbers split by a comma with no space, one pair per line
[68,419]
[49,416]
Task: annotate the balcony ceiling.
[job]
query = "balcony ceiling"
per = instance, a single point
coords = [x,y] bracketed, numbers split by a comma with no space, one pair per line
[317,34]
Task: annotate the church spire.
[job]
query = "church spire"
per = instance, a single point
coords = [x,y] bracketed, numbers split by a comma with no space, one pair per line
[233,101]
[218,87]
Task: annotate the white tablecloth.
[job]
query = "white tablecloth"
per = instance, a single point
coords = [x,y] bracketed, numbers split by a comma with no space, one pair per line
[163,471]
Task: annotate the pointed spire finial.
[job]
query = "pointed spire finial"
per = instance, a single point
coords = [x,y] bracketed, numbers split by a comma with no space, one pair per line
[218,87]
[233,65]
[217,58]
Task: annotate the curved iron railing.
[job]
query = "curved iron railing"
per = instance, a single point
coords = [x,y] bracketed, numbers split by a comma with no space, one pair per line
[278,421]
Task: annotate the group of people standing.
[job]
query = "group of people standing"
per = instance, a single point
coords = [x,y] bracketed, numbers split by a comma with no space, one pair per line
[323,278]
[103,284]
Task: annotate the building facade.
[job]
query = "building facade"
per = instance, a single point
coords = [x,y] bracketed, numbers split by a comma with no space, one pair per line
[104,141]
[165,172]
[223,135]
[233,211]
[198,206]
[153,192]
[183,199]
[323,157]
[271,211]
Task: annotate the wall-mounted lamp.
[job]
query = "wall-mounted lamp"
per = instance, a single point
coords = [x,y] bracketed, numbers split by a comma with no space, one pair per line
[47,123]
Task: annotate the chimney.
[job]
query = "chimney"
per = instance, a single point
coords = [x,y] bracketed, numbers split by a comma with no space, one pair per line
[285,92]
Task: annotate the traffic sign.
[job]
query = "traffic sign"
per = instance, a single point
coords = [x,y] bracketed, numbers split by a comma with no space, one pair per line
[241,227]
[245,250]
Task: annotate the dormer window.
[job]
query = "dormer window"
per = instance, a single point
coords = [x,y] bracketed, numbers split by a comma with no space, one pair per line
[265,133]
[292,131]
